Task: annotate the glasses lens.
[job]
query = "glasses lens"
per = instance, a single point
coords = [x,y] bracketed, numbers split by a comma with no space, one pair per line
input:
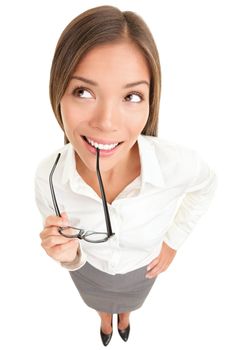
[92,236]
[89,236]
[69,232]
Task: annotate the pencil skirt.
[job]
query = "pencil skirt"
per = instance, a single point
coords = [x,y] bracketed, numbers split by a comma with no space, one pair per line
[112,293]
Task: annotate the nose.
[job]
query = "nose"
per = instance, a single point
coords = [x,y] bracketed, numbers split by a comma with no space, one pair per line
[106,117]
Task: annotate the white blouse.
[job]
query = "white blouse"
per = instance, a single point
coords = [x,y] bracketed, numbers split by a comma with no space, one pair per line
[164,203]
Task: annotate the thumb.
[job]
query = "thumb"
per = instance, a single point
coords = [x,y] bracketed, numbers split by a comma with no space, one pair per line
[65,219]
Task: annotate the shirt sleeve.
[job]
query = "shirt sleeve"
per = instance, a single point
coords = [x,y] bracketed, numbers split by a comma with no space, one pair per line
[195,203]
[46,209]
[42,202]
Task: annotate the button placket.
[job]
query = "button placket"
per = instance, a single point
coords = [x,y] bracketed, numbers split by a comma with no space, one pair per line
[115,220]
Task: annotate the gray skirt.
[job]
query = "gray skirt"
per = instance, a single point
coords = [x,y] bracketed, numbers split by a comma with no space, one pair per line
[112,293]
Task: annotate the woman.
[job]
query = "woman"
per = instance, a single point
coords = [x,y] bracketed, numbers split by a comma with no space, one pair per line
[105,91]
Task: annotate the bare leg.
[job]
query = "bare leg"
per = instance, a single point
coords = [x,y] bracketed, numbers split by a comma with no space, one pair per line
[105,322]
[124,320]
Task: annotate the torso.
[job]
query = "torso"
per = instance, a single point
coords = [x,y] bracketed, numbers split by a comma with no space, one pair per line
[114,188]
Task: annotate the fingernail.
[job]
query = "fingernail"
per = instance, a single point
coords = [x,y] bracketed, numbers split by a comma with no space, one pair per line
[148,268]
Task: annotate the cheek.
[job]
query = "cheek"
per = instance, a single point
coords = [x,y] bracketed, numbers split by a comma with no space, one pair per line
[145,114]
[73,110]
[140,117]
[70,115]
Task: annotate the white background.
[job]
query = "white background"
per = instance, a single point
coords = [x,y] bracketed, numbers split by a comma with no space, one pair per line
[190,306]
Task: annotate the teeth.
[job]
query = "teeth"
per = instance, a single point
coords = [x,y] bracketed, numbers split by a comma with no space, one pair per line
[100,146]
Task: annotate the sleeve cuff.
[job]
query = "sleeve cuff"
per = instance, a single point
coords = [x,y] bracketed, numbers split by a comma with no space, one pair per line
[175,237]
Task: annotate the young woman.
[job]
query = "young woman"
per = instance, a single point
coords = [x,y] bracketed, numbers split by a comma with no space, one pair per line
[105,91]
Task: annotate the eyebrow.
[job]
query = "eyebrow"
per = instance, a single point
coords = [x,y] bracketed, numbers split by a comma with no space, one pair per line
[94,83]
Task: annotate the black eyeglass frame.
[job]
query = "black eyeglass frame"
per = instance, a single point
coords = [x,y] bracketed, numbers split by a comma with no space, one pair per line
[83,234]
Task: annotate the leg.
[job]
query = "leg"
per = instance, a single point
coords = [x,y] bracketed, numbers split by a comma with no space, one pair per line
[106,319]
[124,320]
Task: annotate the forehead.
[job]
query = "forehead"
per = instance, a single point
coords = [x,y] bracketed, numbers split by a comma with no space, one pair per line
[122,60]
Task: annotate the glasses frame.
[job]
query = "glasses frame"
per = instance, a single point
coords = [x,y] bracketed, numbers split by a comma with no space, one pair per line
[83,234]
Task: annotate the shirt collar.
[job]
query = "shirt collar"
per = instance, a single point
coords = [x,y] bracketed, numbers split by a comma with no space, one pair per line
[150,167]
[69,166]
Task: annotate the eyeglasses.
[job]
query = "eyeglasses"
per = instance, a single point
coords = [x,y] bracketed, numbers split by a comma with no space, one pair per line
[74,232]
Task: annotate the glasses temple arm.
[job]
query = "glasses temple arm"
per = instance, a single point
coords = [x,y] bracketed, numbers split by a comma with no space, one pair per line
[57,211]
[56,208]
[107,218]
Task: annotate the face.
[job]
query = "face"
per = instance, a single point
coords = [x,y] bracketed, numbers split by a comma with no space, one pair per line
[106,104]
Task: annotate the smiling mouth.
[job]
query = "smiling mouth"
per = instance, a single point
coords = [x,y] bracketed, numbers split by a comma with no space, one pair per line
[106,147]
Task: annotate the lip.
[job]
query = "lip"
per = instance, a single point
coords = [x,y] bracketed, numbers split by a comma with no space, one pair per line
[103,153]
[101,141]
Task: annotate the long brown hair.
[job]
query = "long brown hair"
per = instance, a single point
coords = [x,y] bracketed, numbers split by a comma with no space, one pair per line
[96,26]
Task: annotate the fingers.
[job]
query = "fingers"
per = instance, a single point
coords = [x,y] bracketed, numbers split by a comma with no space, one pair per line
[57,246]
[56,220]
[153,263]
[64,252]
[161,263]
[51,237]
[160,267]
[49,231]
[154,268]
[51,225]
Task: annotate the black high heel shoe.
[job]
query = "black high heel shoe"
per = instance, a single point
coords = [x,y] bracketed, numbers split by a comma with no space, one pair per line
[125,332]
[106,337]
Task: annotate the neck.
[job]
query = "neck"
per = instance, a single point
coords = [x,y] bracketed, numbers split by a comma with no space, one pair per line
[113,175]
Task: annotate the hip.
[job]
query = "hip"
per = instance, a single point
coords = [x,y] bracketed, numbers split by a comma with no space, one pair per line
[131,281]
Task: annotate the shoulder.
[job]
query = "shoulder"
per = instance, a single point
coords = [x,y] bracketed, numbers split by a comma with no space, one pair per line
[170,150]
[178,163]
[45,165]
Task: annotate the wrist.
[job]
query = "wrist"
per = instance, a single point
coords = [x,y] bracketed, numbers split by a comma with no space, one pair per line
[72,259]
[77,262]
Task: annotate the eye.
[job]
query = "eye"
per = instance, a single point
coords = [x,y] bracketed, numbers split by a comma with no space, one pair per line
[82,93]
[134,97]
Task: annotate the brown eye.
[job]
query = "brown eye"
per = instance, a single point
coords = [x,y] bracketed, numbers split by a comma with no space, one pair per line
[134,97]
[82,93]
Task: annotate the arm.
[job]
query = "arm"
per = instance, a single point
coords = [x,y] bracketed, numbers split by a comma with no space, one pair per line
[46,212]
[194,205]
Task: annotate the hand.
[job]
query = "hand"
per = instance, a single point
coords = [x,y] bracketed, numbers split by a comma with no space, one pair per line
[57,246]
[161,263]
